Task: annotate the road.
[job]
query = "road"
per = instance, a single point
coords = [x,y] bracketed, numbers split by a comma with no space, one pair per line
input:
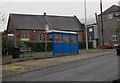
[103,68]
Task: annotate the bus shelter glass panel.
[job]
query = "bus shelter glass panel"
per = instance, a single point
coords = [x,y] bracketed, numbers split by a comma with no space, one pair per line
[57,38]
[66,38]
[73,38]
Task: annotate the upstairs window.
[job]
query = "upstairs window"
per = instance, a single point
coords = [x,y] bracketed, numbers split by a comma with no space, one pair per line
[110,16]
[90,29]
[114,37]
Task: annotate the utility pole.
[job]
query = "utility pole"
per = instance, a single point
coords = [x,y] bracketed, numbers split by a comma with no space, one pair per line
[86,26]
[46,29]
[102,25]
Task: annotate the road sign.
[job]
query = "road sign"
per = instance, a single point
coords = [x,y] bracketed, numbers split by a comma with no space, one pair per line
[100,34]
[14,31]
[10,35]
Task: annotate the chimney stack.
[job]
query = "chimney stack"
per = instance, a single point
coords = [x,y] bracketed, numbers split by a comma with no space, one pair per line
[44,13]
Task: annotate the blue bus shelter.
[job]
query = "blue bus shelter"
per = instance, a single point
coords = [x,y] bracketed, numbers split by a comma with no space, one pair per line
[64,42]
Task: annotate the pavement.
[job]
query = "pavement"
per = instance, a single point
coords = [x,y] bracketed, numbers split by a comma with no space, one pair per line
[103,68]
[38,63]
[8,59]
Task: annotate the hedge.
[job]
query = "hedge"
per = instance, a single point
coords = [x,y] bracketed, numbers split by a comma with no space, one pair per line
[35,46]
[82,45]
[38,46]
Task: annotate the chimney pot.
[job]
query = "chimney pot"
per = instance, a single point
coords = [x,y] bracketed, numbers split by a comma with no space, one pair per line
[44,13]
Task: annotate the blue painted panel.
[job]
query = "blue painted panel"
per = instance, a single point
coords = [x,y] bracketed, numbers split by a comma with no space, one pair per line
[57,48]
[66,48]
[74,48]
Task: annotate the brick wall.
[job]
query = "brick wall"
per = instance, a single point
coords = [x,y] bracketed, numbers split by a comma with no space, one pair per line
[32,33]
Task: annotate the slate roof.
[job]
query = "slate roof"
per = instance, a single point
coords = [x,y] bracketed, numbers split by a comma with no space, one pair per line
[113,8]
[24,21]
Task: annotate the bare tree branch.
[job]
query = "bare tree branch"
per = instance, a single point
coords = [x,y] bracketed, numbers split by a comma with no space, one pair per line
[3,19]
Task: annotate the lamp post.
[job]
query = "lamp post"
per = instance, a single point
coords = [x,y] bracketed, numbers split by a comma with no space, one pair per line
[46,29]
[86,26]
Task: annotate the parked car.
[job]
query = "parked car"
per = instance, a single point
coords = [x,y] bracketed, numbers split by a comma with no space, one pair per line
[108,46]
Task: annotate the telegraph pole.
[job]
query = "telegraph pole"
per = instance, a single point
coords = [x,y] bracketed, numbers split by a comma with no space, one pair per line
[86,26]
[102,25]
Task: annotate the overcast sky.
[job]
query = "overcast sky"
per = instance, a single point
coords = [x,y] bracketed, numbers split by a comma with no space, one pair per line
[57,8]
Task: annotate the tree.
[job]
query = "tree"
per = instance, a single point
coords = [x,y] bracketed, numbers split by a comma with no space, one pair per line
[3,19]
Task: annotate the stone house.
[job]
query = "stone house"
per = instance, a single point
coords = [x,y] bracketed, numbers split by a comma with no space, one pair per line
[111,26]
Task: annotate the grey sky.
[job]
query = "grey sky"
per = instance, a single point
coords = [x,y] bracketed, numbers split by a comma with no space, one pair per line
[56,8]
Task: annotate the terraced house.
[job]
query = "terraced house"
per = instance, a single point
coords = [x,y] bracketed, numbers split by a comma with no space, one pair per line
[32,27]
[111,26]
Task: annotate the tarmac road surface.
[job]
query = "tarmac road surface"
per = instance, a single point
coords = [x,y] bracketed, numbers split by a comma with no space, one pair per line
[103,68]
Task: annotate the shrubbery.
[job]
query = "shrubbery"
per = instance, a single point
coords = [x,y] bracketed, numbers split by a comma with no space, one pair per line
[38,46]
[35,46]
[7,45]
[82,45]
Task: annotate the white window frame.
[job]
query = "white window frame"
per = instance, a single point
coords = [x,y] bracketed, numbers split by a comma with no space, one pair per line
[25,36]
[110,16]
[115,37]
[39,36]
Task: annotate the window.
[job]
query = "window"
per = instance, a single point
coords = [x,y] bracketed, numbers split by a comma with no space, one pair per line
[25,35]
[58,38]
[73,39]
[110,16]
[39,36]
[90,29]
[66,38]
[114,37]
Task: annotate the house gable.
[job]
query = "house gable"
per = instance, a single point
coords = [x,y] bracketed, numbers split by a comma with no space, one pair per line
[113,8]
[10,26]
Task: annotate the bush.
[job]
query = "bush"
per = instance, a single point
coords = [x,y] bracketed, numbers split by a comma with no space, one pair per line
[7,45]
[38,46]
[4,46]
[82,45]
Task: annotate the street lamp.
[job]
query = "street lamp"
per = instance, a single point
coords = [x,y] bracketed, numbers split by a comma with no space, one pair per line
[46,29]
[86,26]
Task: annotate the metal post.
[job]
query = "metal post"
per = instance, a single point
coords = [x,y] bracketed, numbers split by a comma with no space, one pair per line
[102,25]
[46,29]
[45,42]
[86,26]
